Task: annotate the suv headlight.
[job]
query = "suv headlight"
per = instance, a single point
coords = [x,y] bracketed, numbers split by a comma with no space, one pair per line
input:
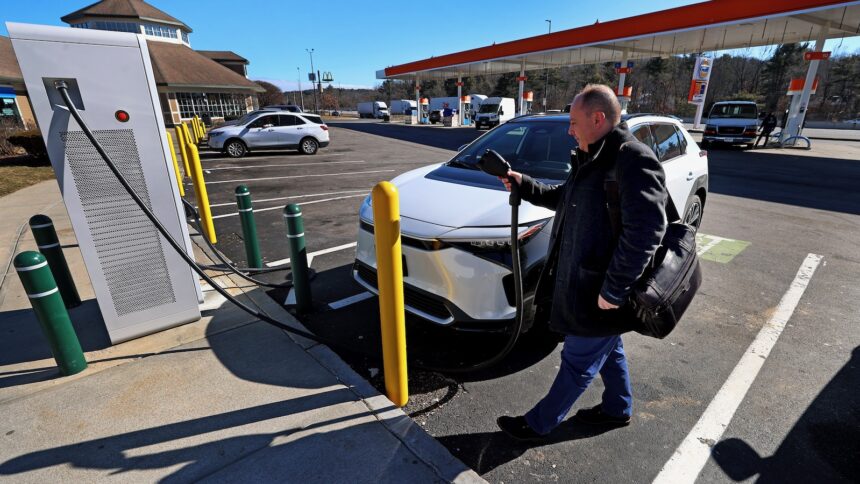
[498,250]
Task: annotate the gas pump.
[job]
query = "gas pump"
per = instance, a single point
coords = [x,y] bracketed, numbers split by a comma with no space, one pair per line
[528,99]
[465,111]
[424,111]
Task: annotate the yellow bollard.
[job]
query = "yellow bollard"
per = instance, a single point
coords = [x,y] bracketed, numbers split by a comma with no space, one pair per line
[386,221]
[202,197]
[195,127]
[193,134]
[201,130]
[183,150]
[175,164]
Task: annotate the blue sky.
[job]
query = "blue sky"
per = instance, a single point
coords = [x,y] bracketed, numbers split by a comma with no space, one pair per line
[354,39]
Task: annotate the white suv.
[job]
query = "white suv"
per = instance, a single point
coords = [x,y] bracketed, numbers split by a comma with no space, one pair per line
[271,130]
[455,219]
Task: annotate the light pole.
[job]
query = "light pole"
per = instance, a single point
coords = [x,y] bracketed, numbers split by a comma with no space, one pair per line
[546,72]
[311,53]
[301,93]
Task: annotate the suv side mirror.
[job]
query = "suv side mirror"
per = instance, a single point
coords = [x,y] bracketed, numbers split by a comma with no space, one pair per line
[501,112]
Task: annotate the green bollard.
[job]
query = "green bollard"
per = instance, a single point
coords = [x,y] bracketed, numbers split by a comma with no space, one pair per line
[249,228]
[49,245]
[298,257]
[38,282]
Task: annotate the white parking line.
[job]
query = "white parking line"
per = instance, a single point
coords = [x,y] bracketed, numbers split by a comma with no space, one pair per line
[299,176]
[313,254]
[300,204]
[691,456]
[351,300]
[366,190]
[208,170]
[709,245]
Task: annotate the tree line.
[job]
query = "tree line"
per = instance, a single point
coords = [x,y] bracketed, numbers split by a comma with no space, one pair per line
[660,85]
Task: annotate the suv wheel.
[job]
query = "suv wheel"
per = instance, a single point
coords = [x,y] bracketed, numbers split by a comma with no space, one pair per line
[235,149]
[694,212]
[309,146]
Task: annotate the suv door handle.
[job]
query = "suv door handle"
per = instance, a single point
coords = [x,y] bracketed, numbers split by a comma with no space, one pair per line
[300,128]
[690,176]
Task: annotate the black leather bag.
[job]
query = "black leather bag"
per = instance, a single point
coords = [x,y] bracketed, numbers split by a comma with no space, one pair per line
[664,291]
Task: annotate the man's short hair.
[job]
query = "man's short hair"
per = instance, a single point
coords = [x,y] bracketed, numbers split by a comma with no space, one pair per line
[598,97]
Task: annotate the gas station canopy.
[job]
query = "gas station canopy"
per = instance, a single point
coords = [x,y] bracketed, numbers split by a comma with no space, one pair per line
[701,27]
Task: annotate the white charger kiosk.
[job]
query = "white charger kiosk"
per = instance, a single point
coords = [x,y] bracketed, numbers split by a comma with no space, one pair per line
[141,284]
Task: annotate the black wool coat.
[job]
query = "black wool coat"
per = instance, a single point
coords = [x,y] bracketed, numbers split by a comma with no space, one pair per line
[585,259]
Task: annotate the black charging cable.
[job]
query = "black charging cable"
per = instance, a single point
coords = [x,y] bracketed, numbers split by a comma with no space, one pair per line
[63,89]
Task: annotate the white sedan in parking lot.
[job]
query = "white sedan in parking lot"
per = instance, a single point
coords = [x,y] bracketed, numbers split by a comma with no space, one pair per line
[271,130]
[455,219]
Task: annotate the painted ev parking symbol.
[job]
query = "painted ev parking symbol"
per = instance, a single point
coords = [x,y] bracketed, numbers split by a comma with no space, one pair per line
[719,249]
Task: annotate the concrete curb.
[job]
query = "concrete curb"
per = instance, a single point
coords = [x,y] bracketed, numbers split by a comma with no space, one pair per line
[413,437]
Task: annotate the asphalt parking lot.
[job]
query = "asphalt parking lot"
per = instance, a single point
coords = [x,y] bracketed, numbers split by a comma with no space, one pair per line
[769,213]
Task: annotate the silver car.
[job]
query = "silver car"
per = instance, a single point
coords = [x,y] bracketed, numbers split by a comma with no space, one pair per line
[271,130]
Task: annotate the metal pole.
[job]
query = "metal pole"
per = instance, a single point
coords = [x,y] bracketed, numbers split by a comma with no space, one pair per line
[183,149]
[796,116]
[202,196]
[386,221]
[249,227]
[522,82]
[546,74]
[298,257]
[316,106]
[49,245]
[460,100]
[48,305]
[622,78]
[175,164]
[301,93]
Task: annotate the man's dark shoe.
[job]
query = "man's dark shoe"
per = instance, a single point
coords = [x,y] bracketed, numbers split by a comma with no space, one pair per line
[596,416]
[518,428]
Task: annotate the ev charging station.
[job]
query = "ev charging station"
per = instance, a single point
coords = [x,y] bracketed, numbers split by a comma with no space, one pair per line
[141,284]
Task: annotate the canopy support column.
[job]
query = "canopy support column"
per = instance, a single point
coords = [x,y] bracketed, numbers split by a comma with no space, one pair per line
[522,81]
[797,112]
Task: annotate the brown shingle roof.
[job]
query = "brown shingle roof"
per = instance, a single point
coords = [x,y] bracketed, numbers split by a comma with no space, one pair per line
[179,66]
[9,69]
[124,9]
[223,55]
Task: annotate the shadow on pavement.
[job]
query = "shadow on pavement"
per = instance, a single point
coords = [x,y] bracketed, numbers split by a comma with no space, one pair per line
[823,446]
[485,451]
[22,338]
[445,138]
[805,181]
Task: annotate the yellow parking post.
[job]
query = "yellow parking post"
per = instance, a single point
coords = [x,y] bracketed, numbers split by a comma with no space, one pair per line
[192,134]
[202,197]
[195,127]
[200,128]
[175,164]
[183,150]
[386,220]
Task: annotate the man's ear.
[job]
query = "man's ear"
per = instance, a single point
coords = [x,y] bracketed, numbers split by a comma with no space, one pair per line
[598,117]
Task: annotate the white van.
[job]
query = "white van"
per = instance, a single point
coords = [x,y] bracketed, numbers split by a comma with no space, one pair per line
[495,111]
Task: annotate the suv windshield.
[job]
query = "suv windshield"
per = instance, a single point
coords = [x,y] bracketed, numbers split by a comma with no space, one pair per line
[743,111]
[539,149]
[489,108]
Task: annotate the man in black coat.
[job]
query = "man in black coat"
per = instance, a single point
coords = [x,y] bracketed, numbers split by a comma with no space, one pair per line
[589,273]
[767,127]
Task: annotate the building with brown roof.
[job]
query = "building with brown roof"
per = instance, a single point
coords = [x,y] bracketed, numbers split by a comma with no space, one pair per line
[209,84]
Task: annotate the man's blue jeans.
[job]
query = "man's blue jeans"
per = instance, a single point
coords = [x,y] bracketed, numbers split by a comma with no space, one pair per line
[581,359]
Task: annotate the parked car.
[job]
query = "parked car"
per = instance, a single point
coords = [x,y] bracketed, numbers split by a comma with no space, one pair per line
[284,107]
[455,219]
[271,130]
[732,122]
[435,116]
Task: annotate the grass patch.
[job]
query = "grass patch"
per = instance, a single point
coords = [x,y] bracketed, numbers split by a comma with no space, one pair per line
[17,172]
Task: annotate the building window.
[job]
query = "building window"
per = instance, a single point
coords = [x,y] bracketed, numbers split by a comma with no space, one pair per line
[112,26]
[217,105]
[159,31]
[185,36]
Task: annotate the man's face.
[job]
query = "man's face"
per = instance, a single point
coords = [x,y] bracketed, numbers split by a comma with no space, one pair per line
[585,127]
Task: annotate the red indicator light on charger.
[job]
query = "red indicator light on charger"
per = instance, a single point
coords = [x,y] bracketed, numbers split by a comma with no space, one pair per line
[121,116]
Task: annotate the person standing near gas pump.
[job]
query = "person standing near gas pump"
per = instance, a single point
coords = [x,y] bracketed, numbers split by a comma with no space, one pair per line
[767,127]
[589,274]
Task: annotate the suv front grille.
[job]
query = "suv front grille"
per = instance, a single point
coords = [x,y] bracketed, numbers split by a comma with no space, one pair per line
[413,298]
[730,129]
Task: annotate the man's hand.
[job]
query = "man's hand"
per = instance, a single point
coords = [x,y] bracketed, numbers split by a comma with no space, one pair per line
[518,177]
[604,304]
